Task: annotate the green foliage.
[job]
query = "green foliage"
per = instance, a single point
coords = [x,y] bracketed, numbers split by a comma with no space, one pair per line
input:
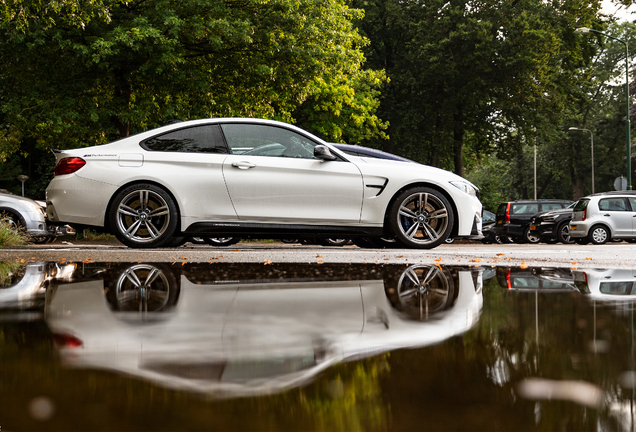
[10,271]
[122,67]
[10,237]
[491,72]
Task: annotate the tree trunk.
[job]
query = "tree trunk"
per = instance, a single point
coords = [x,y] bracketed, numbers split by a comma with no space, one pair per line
[458,144]
[578,181]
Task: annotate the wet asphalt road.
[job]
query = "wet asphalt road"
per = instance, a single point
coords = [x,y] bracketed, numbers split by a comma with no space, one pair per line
[612,255]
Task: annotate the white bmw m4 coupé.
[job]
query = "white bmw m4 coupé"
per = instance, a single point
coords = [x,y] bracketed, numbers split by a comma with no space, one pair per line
[254,178]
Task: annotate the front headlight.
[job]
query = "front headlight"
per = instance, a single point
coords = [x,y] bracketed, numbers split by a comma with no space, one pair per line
[466,187]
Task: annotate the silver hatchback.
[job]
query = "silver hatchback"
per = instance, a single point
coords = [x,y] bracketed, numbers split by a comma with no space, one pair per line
[605,216]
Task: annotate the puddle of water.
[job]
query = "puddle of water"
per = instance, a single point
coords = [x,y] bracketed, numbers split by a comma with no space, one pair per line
[149,346]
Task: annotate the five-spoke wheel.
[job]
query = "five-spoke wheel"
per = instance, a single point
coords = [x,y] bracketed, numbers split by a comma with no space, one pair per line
[425,290]
[143,215]
[421,218]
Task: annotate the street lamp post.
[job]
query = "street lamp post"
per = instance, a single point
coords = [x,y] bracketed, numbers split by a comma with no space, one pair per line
[592,150]
[23,178]
[585,30]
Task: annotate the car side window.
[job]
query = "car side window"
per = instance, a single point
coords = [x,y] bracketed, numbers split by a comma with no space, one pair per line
[612,204]
[525,208]
[198,139]
[632,201]
[551,206]
[264,140]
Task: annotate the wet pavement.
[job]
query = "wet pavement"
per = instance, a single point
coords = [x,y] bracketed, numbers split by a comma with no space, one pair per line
[96,345]
[612,255]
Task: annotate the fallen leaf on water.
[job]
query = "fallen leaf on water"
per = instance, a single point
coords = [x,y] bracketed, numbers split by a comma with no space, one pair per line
[588,258]
[500,254]
[267,262]
[573,263]
[437,259]
[236,250]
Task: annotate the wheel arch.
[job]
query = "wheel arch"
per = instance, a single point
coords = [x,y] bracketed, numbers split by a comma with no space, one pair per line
[136,182]
[434,186]
[13,212]
[604,225]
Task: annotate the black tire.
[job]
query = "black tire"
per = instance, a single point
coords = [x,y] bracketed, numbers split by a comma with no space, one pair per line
[599,235]
[581,241]
[333,242]
[421,218]
[563,233]
[221,241]
[144,216]
[529,237]
[376,242]
[289,241]
[503,240]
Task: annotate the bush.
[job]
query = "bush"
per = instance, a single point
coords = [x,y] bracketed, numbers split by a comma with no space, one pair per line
[10,237]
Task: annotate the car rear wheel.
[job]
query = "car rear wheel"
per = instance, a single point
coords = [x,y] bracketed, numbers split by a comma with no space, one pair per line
[221,241]
[563,233]
[599,235]
[144,216]
[421,218]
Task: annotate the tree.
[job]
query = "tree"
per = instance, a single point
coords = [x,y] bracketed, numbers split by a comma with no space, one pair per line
[476,75]
[90,72]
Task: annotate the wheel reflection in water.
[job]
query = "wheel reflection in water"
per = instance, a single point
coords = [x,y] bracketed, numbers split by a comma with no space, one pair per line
[424,290]
[143,288]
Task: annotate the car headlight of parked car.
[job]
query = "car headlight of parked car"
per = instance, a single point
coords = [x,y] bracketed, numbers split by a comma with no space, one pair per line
[466,187]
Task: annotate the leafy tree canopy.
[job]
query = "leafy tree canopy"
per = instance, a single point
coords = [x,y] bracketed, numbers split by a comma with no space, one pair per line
[80,72]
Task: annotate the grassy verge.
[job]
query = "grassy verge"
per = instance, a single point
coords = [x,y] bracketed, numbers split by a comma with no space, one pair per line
[10,238]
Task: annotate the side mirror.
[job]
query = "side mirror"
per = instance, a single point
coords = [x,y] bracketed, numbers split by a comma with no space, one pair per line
[322,152]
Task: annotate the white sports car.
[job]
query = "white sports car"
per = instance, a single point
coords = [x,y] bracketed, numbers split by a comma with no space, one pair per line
[254,178]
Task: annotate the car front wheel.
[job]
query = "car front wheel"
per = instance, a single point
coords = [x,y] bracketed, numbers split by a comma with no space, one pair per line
[421,218]
[563,233]
[144,216]
[599,235]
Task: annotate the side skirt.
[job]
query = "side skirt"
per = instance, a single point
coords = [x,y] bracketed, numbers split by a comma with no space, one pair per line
[252,230]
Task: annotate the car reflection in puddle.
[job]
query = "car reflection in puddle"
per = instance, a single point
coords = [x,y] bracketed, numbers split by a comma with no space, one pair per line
[239,330]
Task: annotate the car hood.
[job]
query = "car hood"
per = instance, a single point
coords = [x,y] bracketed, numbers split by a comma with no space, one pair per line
[554,212]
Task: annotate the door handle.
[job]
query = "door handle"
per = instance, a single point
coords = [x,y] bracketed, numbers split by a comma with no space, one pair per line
[243,165]
[606,215]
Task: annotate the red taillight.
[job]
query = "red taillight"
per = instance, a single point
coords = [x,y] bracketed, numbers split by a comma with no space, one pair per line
[63,340]
[509,279]
[584,214]
[507,216]
[68,165]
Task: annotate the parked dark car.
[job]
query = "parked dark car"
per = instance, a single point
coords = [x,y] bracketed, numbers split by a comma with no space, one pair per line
[553,225]
[513,218]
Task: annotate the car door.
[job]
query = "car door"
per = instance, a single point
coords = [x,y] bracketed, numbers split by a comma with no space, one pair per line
[616,213]
[273,176]
[191,160]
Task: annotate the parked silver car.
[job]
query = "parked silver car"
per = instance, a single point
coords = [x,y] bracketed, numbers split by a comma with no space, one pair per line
[23,213]
[604,216]
[29,216]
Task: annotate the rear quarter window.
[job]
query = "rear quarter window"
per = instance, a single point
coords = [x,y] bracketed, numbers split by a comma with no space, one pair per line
[525,208]
[552,206]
